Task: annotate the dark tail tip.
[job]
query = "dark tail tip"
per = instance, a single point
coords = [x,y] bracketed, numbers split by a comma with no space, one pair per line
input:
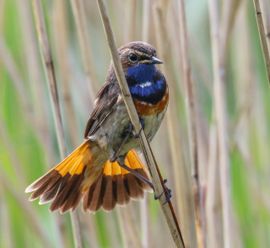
[108,191]
[63,191]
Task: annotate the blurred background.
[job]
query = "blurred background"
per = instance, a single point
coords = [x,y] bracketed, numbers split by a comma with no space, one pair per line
[28,143]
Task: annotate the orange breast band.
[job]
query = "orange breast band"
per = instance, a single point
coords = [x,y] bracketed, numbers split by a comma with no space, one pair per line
[144,108]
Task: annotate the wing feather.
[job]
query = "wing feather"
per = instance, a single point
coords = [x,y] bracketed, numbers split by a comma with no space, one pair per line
[105,105]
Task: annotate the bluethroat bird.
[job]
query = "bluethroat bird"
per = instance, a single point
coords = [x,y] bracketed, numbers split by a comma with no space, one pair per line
[105,169]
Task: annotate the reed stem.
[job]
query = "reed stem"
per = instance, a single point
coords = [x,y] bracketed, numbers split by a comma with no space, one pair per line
[221,118]
[78,10]
[192,125]
[264,36]
[157,180]
[51,79]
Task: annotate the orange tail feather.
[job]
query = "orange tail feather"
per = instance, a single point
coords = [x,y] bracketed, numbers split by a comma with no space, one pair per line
[116,185]
[63,184]
[73,179]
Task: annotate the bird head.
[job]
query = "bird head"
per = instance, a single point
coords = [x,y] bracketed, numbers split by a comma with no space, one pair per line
[136,53]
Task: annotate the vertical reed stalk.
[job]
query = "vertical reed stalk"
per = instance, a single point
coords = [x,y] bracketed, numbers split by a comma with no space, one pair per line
[264,36]
[122,227]
[192,126]
[78,10]
[34,76]
[10,65]
[128,228]
[183,194]
[14,159]
[144,205]
[51,79]
[7,240]
[146,20]
[1,14]
[213,208]
[221,117]
[152,165]
[29,212]
[131,26]
[36,91]
[61,46]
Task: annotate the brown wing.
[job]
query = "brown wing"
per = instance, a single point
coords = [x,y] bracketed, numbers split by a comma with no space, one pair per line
[104,106]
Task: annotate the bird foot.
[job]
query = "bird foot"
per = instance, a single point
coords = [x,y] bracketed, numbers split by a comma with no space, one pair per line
[167,192]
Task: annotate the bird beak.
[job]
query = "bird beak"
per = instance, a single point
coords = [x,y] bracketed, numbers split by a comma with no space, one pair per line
[156,60]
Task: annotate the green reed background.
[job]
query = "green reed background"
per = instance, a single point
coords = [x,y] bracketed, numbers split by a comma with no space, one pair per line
[28,144]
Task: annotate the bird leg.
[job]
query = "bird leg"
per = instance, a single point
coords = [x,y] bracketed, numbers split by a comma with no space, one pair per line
[126,136]
[136,174]
[120,159]
[167,192]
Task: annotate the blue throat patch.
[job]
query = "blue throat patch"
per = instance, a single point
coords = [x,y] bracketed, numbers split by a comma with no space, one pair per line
[146,83]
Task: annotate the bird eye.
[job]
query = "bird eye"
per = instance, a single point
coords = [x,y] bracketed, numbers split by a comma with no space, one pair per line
[133,57]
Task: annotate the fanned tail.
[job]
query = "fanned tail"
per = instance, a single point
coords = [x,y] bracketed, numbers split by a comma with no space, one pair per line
[76,177]
[63,184]
[116,185]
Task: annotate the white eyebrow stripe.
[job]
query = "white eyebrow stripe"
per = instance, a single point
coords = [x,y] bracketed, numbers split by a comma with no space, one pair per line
[146,84]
